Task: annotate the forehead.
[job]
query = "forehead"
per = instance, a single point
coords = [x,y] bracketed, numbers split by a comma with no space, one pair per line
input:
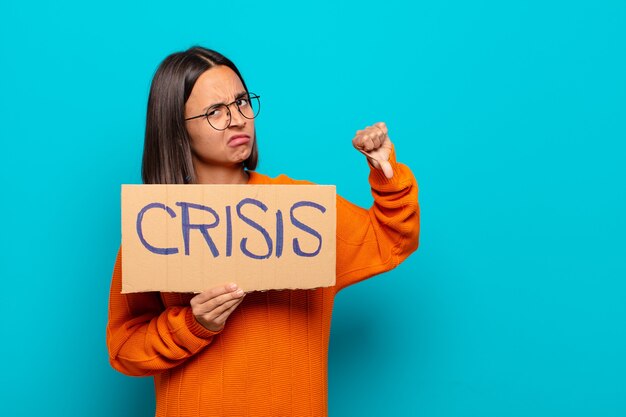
[217,84]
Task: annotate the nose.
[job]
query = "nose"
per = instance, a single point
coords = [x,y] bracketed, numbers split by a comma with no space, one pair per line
[236,118]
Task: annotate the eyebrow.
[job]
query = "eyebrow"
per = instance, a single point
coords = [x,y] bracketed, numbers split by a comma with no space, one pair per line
[239,95]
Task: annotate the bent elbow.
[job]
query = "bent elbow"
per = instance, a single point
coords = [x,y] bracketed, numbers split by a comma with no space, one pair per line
[124,368]
[130,369]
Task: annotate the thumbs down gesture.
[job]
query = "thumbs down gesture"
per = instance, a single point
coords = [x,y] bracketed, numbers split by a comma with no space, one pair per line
[374,143]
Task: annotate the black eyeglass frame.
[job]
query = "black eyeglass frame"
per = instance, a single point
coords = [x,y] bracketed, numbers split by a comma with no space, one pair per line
[251,96]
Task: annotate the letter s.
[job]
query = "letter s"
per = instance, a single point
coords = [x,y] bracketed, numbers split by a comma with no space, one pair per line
[250,222]
[296,245]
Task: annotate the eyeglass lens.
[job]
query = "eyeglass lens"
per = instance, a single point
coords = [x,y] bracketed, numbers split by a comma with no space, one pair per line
[220,116]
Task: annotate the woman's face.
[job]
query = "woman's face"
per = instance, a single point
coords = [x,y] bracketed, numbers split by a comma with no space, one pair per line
[218,148]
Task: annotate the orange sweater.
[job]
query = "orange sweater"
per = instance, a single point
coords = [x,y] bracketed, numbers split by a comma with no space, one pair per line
[271,357]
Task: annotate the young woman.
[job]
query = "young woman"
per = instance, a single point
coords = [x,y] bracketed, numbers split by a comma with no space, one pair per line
[223,352]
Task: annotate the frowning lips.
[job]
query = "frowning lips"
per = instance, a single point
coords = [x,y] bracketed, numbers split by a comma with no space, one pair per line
[237,140]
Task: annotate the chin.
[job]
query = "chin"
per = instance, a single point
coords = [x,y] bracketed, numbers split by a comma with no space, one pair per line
[242,156]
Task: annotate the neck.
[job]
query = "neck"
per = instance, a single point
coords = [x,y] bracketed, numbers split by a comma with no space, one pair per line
[221,175]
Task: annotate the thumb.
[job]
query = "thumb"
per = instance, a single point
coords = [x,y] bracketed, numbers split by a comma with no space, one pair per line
[386,168]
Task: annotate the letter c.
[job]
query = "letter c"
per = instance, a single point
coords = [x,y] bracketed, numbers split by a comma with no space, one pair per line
[158,251]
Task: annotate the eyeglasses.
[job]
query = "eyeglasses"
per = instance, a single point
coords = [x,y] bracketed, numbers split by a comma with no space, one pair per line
[219,116]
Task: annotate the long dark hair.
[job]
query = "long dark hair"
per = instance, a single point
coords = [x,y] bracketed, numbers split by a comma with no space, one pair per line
[166,151]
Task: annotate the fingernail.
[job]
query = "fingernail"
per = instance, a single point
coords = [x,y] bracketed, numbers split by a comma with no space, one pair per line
[232,286]
[239,292]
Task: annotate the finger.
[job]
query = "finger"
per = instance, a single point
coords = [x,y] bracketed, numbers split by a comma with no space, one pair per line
[222,317]
[376,135]
[362,138]
[358,139]
[211,315]
[387,169]
[207,295]
[374,140]
[378,138]
[370,138]
[368,144]
[214,303]
[233,307]
[382,126]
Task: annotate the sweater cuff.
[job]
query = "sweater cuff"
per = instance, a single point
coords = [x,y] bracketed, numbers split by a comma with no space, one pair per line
[196,328]
[377,176]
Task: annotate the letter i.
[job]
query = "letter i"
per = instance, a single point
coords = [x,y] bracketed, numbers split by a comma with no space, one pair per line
[279,233]
[229,233]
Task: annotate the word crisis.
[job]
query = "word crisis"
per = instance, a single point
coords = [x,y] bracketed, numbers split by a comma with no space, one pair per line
[274,242]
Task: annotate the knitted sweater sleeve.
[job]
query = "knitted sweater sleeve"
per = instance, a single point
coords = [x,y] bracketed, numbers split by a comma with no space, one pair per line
[143,337]
[376,240]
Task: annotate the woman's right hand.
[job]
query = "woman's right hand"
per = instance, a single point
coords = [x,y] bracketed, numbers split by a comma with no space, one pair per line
[212,307]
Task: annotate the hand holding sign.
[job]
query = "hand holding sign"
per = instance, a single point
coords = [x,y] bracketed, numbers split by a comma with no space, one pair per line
[374,143]
[211,308]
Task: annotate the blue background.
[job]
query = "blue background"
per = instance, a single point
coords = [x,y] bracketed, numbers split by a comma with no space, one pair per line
[512,116]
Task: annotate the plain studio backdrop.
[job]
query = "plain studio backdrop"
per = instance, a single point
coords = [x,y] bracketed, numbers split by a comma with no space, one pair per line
[512,115]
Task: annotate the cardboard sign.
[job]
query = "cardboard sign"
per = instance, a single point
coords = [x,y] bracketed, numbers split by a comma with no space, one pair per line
[190,238]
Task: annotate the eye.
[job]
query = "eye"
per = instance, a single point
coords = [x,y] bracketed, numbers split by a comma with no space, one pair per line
[242,102]
[213,112]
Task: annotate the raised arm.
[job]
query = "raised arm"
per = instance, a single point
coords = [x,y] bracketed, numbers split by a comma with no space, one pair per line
[376,240]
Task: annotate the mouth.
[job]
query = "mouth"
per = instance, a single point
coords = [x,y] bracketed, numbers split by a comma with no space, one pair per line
[237,140]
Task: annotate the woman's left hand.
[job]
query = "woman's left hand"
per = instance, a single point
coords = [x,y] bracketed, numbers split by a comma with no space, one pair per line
[374,143]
